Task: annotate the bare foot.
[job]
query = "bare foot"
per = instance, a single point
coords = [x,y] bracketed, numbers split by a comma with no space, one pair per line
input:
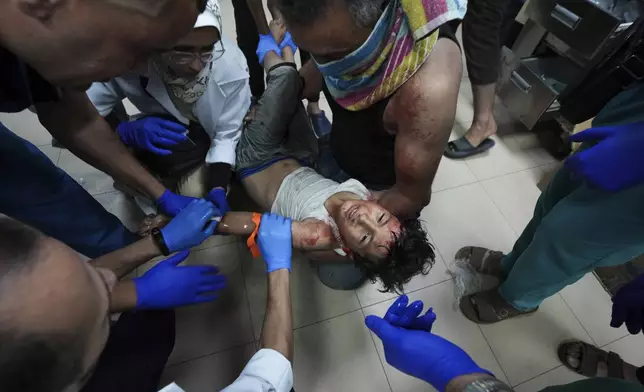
[277,30]
[481,130]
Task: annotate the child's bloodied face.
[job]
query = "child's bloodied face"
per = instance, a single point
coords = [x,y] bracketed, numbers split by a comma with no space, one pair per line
[367,228]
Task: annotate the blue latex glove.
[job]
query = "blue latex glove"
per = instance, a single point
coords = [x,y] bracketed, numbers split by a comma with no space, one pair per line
[152,134]
[217,196]
[420,353]
[288,41]
[192,226]
[616,162]
[402,315]
[266,44]
[172,204]
[628,306]
[275,242]
[168,285]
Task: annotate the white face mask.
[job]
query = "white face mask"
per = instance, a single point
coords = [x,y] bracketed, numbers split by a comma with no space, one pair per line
[186,89]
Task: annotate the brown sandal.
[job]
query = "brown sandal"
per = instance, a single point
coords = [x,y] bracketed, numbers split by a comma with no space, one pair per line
[590,359]
[488,307]
[483,260]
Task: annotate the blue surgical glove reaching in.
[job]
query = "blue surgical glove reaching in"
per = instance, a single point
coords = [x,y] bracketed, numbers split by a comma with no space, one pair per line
[288,41]
[217,196]
[616,161]
[192,226]
[266,44]
[275,242]
[400,314]
[172,204]
[628,306]
[169,285]
[420,353]
[152,134]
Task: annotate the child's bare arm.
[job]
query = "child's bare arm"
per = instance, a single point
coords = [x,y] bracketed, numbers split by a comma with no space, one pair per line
[308,234]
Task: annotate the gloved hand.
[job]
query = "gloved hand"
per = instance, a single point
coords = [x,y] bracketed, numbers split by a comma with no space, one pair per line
[616,162]
[266,44]
[401,315]
[422,354]
[152,134]
[192,226]
[628,306]
[275,243]
[168,285]
[217,196]
[288,41]
[172,204]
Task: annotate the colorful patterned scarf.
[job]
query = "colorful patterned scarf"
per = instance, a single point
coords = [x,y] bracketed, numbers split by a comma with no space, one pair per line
[397,47]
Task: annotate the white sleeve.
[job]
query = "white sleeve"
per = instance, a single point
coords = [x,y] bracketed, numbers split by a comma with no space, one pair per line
[105,96]
[267,371]
[229,125]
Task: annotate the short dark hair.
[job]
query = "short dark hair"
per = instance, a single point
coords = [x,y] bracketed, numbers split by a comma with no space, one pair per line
[31,361]
[304,12]
[411,254]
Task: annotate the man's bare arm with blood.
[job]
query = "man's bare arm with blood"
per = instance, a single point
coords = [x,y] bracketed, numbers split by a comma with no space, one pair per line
[75,122]
[422,113]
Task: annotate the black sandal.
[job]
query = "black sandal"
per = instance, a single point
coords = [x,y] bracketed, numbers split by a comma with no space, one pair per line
[462,148]
[590,358]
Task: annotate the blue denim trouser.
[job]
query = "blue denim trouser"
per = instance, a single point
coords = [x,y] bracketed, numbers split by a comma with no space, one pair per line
[34,191]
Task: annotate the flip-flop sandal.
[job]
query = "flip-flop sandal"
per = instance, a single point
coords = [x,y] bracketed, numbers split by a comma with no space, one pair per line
[488,307]
[591,357]
[461,148]
[483,260]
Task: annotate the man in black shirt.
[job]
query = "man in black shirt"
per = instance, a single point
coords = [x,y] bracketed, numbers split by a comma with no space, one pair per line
[50,51]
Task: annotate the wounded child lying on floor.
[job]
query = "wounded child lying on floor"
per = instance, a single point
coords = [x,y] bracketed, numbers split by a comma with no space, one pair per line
[273,155]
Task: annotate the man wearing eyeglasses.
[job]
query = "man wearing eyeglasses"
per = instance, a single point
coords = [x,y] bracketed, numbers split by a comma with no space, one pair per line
[193,100]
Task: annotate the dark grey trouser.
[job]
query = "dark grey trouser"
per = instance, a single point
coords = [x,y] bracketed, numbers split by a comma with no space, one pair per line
[279,127]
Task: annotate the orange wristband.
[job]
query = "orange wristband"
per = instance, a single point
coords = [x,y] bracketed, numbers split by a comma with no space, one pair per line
[251,243]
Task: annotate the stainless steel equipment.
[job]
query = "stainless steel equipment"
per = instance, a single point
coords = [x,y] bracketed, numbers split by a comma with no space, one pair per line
[580,32]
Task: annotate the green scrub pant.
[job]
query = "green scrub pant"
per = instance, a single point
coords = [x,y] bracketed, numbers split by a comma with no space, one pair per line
[574,229]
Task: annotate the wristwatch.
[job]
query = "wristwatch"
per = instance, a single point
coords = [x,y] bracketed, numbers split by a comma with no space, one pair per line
[157,236]
[488,385]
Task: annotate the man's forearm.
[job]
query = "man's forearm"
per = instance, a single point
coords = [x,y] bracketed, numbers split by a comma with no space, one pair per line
[257,10]
[277,332]
[124,261]
[74,122]
[402,205]
[313,80]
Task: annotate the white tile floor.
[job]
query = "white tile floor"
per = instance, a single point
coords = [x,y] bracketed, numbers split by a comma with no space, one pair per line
[485,200]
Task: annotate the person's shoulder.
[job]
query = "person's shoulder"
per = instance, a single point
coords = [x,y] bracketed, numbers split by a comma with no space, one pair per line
[20,85]
[231,66]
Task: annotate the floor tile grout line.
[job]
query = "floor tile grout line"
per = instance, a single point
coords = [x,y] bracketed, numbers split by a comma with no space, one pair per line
[406,293]
[616,340]
[493,353]
[477,181]
[501,211]
[240,345]
[537,376]
[326,319]
[375,346]
[577,318]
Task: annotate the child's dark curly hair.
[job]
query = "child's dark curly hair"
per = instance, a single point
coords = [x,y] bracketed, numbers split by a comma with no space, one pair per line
[411,254]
